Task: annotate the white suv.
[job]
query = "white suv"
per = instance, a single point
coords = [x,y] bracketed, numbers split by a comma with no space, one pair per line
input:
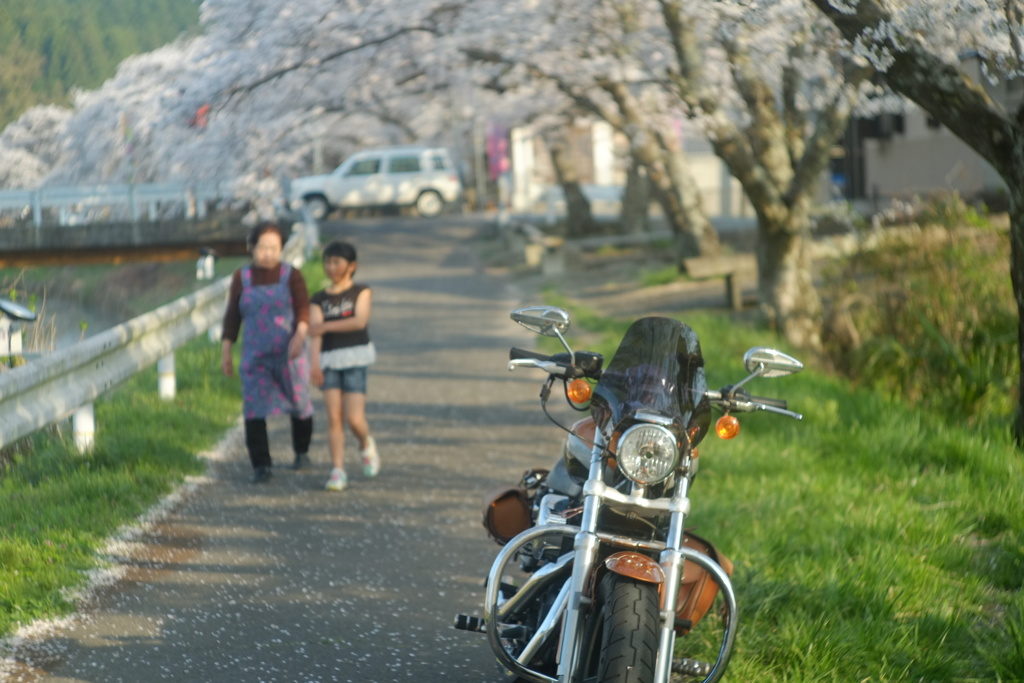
[424,177]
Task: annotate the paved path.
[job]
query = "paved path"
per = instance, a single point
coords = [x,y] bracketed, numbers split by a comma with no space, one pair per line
[288,582]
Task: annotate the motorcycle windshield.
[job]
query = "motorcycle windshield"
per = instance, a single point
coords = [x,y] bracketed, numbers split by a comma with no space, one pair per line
[658,368]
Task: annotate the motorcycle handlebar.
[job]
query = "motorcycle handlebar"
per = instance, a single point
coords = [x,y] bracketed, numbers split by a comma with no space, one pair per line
[516,353]
[729,394]
[743,402]
[559,365]
[773,402]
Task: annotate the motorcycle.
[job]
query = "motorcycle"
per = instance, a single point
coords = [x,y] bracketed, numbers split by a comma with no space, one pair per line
[598,578]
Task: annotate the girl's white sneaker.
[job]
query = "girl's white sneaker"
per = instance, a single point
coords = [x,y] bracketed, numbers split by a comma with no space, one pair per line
[338,480]
[371,461]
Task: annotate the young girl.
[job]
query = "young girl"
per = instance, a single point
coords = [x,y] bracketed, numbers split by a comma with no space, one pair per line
[341,352]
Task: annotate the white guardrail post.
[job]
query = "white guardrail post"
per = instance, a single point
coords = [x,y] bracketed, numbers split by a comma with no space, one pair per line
[83,428]
[167,381]
[65,383]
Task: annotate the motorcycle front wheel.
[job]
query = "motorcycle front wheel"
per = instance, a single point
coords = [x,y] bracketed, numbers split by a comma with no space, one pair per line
[621,638]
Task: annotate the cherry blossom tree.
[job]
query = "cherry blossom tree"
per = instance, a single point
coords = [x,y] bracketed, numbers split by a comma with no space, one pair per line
[275,82]
[771,84]
[582,49]
[268,86]
[928,51]
[29,147]
[773,89]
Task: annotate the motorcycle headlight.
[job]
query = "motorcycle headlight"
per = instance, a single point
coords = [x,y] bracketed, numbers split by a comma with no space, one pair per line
[647,453]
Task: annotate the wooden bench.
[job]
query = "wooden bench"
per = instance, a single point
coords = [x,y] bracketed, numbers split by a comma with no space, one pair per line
[737,269]
[539,250]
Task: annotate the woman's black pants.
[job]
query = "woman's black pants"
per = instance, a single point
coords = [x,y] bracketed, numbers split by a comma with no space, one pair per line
[259,446]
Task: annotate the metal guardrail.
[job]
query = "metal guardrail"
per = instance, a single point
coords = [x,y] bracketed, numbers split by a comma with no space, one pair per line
[17,199]
[57,385]
[134,196]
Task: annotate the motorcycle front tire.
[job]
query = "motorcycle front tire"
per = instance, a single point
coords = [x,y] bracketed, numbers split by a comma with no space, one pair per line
[627,617]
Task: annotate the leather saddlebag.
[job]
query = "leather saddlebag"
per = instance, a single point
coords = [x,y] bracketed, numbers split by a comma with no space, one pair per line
[698,589]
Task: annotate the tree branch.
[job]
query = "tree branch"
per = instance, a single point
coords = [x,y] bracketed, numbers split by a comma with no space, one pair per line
[689,59]
[767,134]
[575,94]
[793,117]
[943,90]
[331,56]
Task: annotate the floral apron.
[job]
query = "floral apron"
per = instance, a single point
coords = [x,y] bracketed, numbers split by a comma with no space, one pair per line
[271,384]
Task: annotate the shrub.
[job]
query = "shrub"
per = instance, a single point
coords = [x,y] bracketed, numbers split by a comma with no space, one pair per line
[931,317]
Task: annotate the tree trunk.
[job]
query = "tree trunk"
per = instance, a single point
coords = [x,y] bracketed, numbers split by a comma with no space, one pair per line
[635,200]
[1017,278]
[670,180]
[692,201]
[680,200]
[786,278]
[578,217]
[965,107]
[687,242]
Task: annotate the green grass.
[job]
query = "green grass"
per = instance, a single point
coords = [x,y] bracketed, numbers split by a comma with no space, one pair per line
[931,318]
[877,543]
[872,541]
[653,277]
[58,507]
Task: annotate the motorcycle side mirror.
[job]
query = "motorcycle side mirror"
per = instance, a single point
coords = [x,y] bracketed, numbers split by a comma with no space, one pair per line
[549,321]
[16,311]
[761,361]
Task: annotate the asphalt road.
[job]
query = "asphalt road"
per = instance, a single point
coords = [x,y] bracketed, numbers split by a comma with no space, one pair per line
[289,582]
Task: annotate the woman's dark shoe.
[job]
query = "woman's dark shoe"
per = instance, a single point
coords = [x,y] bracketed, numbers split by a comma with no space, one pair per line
[301,460]
[261,474]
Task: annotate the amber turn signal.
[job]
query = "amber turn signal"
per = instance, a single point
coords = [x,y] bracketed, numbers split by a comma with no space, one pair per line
[727,427]
[578,391]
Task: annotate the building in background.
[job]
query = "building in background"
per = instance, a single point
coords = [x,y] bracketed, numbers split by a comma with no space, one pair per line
[602,159]
[900,155]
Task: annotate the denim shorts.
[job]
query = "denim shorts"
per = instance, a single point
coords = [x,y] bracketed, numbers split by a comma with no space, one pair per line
[349,380]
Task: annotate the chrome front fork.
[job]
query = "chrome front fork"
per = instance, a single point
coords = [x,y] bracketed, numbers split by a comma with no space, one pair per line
[672,557]
[585,554]
[572,600]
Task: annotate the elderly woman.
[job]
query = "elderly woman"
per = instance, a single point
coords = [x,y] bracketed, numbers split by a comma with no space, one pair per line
[269,302]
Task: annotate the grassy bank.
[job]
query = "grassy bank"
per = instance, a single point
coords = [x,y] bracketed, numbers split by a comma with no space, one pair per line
[58,507]
[872,541]
[930,315]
